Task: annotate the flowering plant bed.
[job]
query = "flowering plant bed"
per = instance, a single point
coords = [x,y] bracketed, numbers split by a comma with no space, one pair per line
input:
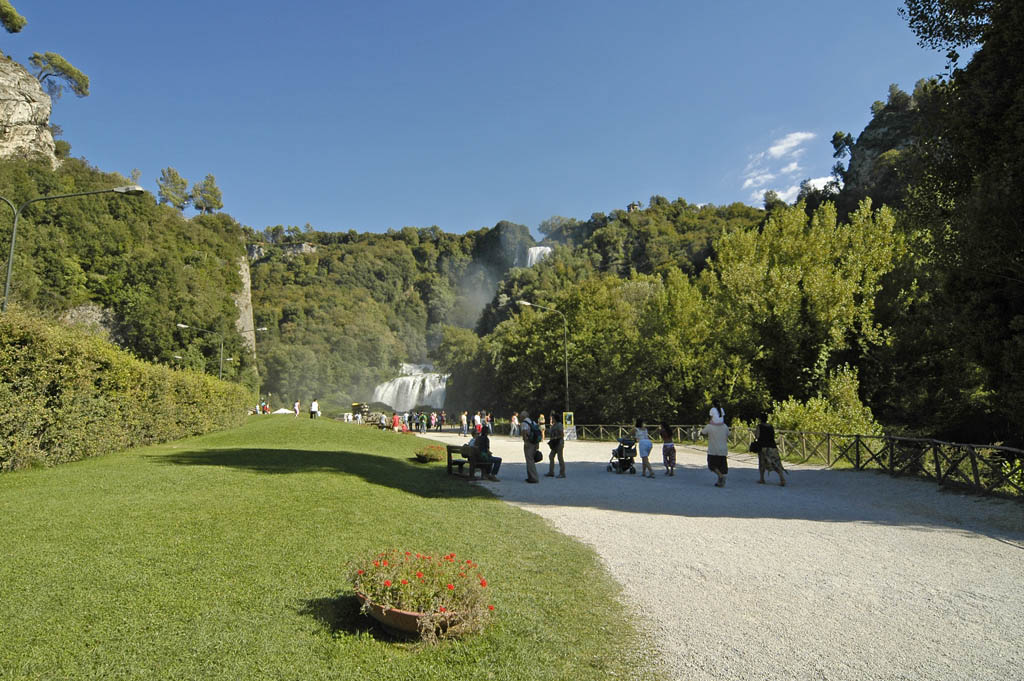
[446,595]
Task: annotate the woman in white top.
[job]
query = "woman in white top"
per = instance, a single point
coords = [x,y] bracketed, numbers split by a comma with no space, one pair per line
[644,444]
[718,448]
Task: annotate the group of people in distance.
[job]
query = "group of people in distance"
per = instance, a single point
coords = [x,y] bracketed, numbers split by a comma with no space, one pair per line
[716,431]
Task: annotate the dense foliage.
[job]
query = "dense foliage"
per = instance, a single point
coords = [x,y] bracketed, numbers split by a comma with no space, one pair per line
[144,264]
[67,395]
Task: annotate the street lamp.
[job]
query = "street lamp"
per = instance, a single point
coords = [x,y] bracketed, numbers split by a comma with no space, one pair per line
[220,372]
[565,343]
[129,190]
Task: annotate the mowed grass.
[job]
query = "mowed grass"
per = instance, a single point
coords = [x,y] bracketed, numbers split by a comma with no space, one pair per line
[224,557]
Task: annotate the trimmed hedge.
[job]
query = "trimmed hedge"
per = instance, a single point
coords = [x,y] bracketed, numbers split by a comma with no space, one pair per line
[66,395]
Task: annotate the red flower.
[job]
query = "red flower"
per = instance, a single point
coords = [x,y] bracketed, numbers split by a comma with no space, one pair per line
[469,562]
[408,553]
[462,574]
[443,609]
[451,587]
[490,607]
[405,581]
[359,572]
[419,574]
[376,564]
[483,582]
[384,562]
[387,582]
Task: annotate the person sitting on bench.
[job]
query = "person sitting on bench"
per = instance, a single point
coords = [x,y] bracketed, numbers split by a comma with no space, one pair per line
[482,442]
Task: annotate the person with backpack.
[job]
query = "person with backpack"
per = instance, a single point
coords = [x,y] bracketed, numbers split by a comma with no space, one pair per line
[531,442]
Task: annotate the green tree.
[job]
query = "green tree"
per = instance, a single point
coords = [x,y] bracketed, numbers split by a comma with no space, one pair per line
[206,196]
[9,17]
[55,73]
[964,178]
[173,188]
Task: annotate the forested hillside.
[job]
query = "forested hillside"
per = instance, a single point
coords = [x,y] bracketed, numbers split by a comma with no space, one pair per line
[135,266]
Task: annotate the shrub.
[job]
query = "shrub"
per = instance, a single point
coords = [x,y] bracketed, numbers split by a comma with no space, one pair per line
[431,453]
[65,395]
[836,409]
[450,592]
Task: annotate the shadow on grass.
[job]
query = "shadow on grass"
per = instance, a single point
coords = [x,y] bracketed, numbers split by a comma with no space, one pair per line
[341,615]
[408,475]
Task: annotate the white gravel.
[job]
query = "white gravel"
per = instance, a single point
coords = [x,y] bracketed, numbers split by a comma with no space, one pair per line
[840,575]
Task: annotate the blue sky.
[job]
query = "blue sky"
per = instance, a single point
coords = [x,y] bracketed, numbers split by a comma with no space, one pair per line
[371,115]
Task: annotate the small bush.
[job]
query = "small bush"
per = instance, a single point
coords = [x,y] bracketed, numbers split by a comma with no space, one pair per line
[431,453]
[450,592]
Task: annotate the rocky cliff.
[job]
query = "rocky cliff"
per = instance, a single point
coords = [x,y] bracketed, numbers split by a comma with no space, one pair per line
[24,114]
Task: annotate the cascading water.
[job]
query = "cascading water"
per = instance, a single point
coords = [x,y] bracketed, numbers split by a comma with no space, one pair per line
[417,386]
[536,253]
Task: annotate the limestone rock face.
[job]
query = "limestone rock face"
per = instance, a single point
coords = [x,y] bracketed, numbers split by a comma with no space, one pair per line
[24,114]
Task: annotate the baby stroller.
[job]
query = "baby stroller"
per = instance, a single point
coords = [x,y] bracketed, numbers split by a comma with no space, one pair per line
[622,457]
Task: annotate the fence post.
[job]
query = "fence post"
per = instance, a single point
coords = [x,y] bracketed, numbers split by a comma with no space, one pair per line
[856,452]
[974,466]
[935,458]
[803,445]
[828,449]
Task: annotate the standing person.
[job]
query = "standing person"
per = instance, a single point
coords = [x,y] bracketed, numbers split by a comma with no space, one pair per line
[668,449]
[464,421]
[718,449]
[423,422]
[514,425]
[483,445]
[557,444]
[644,444]
[768,451]
[295,408]
[489,423]
[396,422]
[543,426]
[530,443]
[314,409]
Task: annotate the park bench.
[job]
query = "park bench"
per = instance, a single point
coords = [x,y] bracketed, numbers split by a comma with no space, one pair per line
[469,457]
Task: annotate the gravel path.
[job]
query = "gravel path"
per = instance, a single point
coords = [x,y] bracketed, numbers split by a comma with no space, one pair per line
[840,575]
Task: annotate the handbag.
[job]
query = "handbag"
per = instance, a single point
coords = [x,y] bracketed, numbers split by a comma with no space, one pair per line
[755,447]
[538,457]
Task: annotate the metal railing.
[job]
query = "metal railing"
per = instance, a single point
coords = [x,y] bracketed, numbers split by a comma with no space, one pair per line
[983,469]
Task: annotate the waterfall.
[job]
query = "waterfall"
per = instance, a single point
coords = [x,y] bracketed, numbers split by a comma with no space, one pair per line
[417,387]
[537,253]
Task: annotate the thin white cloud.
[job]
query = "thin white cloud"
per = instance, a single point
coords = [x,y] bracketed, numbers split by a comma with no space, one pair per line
[820,182]
[790,144]
[780,159]
[758,180]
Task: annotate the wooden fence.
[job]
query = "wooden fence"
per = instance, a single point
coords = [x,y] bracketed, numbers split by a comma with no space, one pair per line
[984,469]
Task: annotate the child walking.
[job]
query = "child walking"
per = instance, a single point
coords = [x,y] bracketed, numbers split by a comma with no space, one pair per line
[644,444]
[668,449]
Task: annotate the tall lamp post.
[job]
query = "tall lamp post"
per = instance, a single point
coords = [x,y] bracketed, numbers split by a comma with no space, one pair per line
[220,371]
[565,343]
[129,190]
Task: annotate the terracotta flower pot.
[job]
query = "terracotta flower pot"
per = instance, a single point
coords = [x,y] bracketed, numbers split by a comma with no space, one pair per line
[393,618]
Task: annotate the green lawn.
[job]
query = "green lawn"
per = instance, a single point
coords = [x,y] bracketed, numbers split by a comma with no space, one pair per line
[223,557]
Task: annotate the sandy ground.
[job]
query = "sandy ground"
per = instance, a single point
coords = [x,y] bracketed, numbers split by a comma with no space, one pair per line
[839,575]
